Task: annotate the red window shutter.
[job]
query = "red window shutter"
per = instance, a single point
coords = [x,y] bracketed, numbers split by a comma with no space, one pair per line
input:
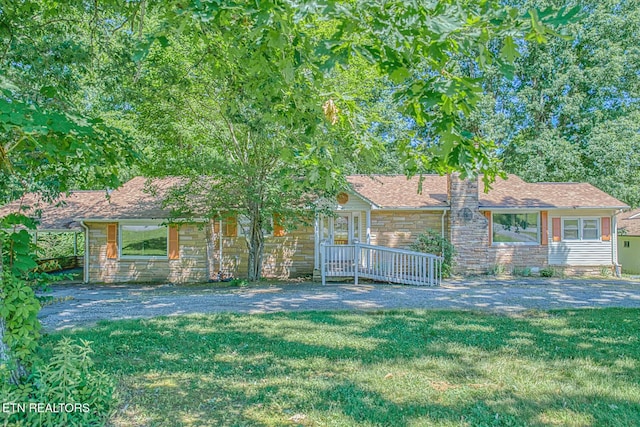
[606,229]
[556,229]
[487,214]
[112,241]
[278,229]
[174,242]
[544,232]
[231,226]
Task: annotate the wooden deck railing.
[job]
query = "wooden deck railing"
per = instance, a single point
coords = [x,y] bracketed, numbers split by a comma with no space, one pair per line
[380,263]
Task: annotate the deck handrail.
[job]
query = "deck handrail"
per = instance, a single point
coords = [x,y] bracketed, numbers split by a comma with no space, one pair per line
[379,263]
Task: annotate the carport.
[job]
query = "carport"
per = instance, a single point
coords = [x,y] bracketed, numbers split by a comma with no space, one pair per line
[57,225]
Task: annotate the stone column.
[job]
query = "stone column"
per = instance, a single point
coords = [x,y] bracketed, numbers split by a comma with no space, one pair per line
[469,229]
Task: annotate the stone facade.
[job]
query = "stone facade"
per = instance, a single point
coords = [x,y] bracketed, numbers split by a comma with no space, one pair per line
[584,270]
[288,256]
[518,256]
[399,229]
[190,267]
[469,229]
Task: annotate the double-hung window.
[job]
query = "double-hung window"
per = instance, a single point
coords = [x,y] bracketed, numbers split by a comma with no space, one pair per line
[580,228]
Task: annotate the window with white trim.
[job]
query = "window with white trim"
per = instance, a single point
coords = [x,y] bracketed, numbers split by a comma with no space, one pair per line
[144,241]
[516,228]
[580,228]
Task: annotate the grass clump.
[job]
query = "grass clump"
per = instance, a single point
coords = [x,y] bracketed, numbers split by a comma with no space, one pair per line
[400,368]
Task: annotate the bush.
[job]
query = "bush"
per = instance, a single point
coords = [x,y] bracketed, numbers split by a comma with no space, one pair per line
[521,272]
[547,272]
[77,394]
[496,270]
[432,242]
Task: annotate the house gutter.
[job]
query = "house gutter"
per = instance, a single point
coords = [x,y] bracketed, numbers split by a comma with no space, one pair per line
[85,258]
[444,212]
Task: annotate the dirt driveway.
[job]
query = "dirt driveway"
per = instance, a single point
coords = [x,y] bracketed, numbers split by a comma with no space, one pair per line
[81,305]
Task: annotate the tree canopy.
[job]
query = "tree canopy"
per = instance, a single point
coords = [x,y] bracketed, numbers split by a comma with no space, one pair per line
[571,111]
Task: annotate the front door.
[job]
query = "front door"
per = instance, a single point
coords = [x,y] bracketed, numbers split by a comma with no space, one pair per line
[341,229]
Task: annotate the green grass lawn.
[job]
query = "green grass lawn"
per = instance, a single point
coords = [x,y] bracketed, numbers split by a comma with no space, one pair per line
[392,368]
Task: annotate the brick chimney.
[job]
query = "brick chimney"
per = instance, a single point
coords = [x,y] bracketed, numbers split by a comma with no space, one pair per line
[469,229]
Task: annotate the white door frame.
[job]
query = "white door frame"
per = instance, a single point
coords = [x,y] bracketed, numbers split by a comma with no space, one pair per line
[323,231]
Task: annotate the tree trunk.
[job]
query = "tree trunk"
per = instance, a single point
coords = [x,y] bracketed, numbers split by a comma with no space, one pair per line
[255,245]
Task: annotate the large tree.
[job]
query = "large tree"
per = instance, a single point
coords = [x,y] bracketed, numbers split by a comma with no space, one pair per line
[52,139]
[238,94]
[571,111]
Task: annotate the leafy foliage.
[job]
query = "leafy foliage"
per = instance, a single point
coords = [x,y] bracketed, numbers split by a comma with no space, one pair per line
[68,378]
[572,110]
[56,245]
[19,308]
[431,242]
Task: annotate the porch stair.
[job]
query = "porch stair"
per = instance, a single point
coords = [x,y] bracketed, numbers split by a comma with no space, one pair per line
[379,263]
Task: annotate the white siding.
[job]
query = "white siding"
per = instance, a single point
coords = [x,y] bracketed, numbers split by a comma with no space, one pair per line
[355,203]
[580,253]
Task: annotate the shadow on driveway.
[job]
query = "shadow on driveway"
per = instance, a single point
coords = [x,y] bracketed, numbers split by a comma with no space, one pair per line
[84,305]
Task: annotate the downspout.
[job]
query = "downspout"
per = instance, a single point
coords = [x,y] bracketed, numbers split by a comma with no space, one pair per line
[220,255]
[442,228]
[85,259]
[614,241]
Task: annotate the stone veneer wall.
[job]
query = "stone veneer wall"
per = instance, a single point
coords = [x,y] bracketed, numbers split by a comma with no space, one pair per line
[469,229]
[191,267]
[288,256]
[584,270]
[399,229]
[518,256]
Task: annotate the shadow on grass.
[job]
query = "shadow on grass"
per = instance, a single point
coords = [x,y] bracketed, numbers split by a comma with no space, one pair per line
[378,368]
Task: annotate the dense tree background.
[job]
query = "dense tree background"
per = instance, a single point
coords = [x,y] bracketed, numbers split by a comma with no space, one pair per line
[572,110]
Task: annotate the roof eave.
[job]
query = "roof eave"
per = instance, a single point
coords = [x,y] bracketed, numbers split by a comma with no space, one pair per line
[553,207]
[140,219]
[413,208]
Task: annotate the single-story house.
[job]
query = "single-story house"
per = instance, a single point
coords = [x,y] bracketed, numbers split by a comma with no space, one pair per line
[567,226]
[629,241]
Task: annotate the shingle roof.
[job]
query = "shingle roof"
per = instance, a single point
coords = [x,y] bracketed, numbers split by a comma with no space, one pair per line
[139,198]
[629,223]
[515,193]
[61,214]
[396,191]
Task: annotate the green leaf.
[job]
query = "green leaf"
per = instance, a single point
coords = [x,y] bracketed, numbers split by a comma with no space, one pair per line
[509,50]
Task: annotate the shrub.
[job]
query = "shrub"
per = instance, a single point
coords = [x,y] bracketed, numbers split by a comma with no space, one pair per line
[86,395]
[496,270]
[431,242]
[521,272]
[547,272]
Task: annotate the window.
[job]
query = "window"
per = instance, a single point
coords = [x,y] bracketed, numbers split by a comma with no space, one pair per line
[571,228]
[516,228]
[144,240]
[590,229]
[581,229]
[626,244]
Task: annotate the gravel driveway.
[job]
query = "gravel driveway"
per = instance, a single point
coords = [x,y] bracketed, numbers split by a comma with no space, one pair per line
[82,305]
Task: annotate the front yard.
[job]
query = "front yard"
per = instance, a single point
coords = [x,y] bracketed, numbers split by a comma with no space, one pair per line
[391,368]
